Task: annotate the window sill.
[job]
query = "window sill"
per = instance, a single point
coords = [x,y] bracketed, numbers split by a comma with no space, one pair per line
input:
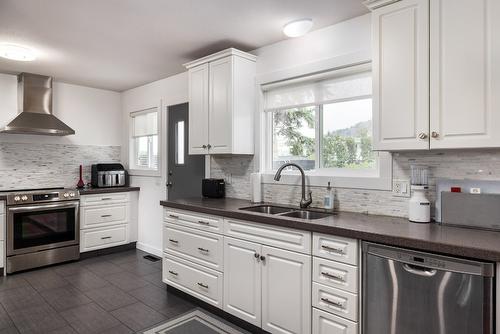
[144,172]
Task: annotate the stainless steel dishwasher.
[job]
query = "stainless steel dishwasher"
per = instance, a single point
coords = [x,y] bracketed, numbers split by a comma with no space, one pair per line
[410,292]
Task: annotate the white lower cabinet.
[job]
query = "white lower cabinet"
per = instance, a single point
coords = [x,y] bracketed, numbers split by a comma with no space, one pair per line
[326,323]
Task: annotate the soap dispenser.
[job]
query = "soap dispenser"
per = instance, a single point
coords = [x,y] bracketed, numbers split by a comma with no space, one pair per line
[329,197]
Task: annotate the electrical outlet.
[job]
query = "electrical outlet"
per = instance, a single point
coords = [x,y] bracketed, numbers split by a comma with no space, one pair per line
[401,188]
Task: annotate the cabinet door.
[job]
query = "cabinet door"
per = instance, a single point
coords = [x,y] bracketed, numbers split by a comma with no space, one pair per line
[286,291]
[401,76]
[242,280]
[465,73]
[220,110]
[198,109]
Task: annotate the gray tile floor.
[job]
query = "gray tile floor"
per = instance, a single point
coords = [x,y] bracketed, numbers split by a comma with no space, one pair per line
[117,293]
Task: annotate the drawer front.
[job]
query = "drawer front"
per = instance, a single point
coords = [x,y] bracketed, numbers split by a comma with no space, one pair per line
[335,248]
[285,238]
[198,246]
[103,237]
[104,215]
[327,323]
[341,303]
[194,220]
[194,279]
[2,254]
[101,199]
[2,227]
[335,274]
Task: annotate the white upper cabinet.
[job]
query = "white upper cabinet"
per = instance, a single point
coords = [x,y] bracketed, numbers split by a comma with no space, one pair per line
[401,76]
[436,74]
[222,103]
[465,73]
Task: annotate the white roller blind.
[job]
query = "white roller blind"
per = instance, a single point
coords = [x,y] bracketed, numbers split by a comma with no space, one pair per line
[145,123]
[313,92]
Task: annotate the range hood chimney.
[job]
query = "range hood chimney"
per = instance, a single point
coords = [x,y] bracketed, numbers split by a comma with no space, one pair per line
[34,99]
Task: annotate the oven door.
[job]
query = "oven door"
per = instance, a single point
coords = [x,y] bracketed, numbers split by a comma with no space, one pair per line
[33,228]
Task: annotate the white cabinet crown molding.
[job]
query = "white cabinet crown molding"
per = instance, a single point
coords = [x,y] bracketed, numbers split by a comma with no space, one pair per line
[374,4]
[219,55]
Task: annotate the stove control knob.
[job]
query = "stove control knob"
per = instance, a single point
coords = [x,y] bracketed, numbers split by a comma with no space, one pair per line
[71,194]
[66,195]
[24,198]
[17,198]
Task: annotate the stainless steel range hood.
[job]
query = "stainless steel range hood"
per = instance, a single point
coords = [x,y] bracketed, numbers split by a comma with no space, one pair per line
[34,96]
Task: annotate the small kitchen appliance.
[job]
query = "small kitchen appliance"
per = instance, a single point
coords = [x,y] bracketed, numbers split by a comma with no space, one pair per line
[420,207]
[108,175]
[42,227]
[213,188]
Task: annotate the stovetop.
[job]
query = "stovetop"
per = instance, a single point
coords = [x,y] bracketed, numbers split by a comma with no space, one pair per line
[31,196]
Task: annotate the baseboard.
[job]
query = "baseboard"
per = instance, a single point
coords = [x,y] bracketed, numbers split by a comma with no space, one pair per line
[148,249]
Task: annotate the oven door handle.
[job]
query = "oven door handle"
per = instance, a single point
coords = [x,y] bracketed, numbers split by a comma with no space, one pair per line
[44,206]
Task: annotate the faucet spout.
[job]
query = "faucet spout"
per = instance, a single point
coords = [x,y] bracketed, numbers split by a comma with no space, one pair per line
[304,202]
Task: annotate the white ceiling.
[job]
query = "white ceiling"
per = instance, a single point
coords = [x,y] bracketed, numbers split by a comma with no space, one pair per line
[120,44]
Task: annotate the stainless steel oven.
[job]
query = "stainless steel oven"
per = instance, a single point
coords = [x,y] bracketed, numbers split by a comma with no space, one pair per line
[42,228]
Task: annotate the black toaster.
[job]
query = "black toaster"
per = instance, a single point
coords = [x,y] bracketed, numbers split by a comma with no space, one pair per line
[213,188]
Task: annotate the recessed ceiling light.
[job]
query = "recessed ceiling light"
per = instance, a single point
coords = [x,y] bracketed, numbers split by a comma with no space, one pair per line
[17,52]
[297,28]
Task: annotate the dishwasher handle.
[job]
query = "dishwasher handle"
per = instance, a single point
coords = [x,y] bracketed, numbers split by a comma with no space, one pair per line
[418,270]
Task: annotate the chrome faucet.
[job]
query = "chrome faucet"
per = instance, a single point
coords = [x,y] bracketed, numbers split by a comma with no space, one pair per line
[304,203]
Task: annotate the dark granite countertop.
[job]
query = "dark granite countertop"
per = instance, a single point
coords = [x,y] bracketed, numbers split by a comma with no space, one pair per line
[464,242]
[93,191]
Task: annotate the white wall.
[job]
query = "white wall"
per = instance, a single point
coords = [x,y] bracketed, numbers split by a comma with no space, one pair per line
[165,92]
[94,114]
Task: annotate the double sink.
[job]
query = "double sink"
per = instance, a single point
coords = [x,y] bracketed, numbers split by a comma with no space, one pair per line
[287,212]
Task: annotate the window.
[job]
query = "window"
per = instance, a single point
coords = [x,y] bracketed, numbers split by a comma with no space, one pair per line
[179,146]
[144,141]
[324,124]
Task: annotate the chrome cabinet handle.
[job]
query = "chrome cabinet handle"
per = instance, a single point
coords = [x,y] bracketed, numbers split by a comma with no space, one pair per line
[209,146]
[203,222]
[105,216]
[106,198]
[173,216]
[333,302]
[262,258]
[434,134]
[333,276]
[103,238]
[422,135]
[203,285]
[173,273]
[333,249]
[203,249]
[173,241]
[257,255]
[204,146]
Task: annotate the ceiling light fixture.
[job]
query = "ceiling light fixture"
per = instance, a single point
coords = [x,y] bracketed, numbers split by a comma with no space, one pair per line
[17,52]
[297,28]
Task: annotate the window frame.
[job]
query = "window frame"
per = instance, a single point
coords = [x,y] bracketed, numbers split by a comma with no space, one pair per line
[135,170]
[380,178]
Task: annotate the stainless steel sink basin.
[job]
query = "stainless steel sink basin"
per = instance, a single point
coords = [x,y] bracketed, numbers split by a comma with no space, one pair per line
[269,209]
[303,214]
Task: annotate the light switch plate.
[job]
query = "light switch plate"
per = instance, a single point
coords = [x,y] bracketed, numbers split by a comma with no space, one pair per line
[401,188]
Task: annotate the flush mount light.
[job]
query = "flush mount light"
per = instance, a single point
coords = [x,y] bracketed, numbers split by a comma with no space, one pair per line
[17,52]
[297,28]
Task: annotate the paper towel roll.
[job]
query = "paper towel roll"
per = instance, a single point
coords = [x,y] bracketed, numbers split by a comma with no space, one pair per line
[256,187]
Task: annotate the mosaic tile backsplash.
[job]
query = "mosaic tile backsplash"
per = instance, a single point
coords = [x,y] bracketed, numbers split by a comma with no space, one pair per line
[456,164]
[32,165]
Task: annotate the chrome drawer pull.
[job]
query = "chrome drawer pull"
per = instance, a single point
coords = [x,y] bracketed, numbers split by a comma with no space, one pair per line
[333,249]
[333,302]
[203,285]
[173,241]
[173,273]
[203,223]
[174,216]
[103,238]
[333,276]
[106,198]
[105,216]
[203,249]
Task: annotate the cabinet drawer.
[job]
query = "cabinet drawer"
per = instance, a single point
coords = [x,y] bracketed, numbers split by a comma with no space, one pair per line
[2,254]
[281,237]
[195,220]
[335,248]
[327,323]
[201,282]
[335,274]
[339,302]
[198,246]
[103,237]
[100,199]
[96,216]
